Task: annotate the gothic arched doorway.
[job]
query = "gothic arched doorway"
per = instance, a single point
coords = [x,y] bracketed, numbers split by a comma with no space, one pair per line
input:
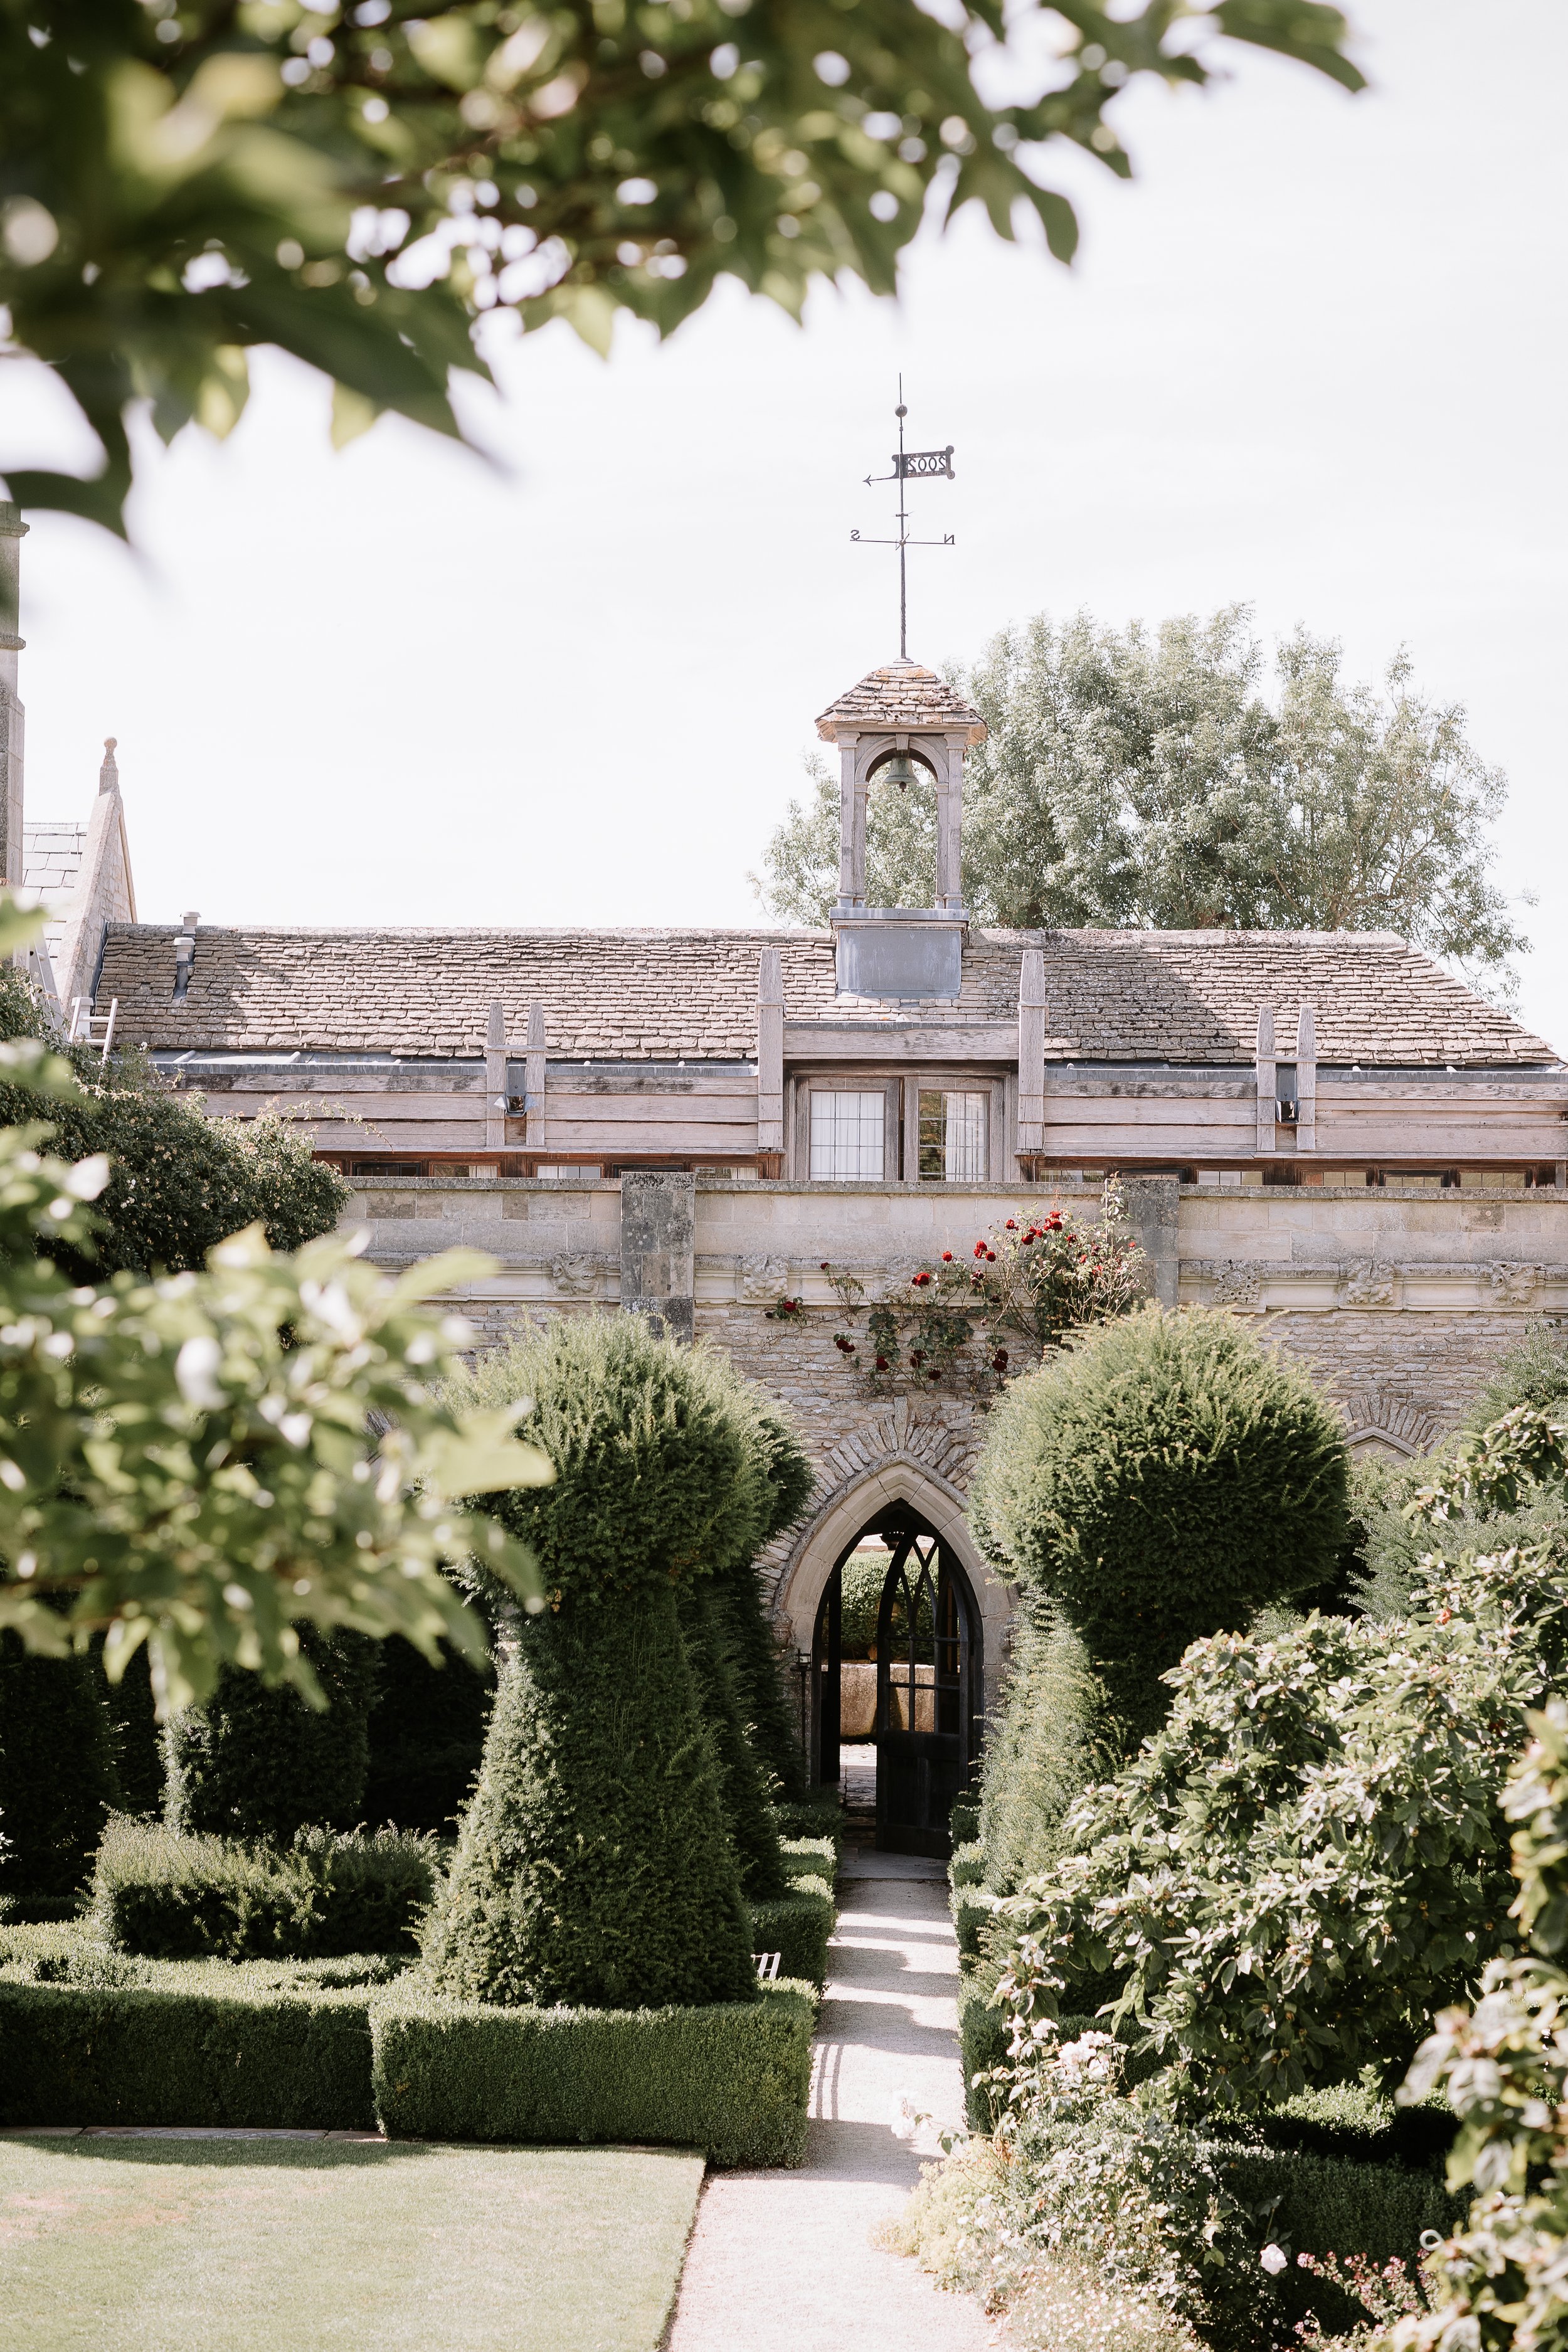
[898,1655]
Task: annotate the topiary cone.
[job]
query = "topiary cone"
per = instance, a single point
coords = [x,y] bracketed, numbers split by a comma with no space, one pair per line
[742,1781]
[593,1865]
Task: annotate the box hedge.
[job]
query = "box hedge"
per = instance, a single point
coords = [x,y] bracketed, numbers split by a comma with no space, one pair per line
[810,1857]
[818,1816]
[108,2038]
[175,1897]
[730,2078]
[77,2053]
[798,1925]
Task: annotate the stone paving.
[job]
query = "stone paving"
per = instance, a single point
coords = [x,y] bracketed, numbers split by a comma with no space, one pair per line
[782,2262]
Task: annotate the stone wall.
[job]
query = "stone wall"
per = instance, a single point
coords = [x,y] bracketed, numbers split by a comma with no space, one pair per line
[1399,1303]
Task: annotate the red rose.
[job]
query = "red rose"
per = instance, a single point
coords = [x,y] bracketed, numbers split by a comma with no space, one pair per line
[947,1257]
[825,1266]
[1012,1224]
[882,1363]
[991,1257]
[979,1249]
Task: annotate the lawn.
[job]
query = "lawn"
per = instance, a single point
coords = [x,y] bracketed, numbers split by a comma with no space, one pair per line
[178,2245]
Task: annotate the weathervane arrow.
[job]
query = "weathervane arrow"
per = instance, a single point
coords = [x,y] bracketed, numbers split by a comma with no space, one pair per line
[909,466]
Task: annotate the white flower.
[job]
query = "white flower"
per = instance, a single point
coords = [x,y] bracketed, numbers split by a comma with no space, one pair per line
[195,1368]
[1274,2258]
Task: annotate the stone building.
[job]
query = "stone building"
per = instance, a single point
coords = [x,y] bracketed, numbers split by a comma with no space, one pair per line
[1325,1132]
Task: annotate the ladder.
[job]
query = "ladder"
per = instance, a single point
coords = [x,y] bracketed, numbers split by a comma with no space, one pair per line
[91,1028]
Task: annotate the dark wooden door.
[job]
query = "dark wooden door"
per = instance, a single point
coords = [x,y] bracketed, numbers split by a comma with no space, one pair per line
[926,1667]
[825,1681]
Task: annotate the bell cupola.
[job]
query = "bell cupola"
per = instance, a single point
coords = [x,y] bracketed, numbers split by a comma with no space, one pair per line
[901,720]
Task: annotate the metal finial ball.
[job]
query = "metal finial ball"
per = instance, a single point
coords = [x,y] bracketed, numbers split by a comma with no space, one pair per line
[901,410]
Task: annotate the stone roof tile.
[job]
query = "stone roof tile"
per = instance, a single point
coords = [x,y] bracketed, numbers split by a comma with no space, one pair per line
[1185,997]
[898,698]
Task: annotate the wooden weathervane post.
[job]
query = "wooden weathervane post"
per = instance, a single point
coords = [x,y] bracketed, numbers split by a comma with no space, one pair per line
[909,466]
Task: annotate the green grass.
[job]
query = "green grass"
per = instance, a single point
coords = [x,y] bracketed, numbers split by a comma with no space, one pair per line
[225,2245]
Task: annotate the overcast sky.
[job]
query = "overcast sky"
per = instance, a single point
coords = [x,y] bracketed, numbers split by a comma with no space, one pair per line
[1313,360]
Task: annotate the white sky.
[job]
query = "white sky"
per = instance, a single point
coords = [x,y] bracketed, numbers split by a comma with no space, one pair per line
[1312,359]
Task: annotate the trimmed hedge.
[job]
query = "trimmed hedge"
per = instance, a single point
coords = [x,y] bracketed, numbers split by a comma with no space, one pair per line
[1161,1478]
[1332,2204]
[742,1784]
[984,2035]
[967,1866]
[810,1857]
[173,1899]
[973,1909]
[730,2078]
[72,2053]
[257,1762]
[592,1867]
[813,1817]
[426,1734]
[58,1781]
[797,1926]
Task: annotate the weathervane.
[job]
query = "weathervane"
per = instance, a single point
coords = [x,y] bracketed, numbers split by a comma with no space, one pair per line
[909,466]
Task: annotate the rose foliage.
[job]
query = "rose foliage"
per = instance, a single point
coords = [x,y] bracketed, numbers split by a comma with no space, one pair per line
[1306,1860]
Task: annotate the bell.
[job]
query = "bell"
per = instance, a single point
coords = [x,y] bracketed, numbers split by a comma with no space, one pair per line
[900,769]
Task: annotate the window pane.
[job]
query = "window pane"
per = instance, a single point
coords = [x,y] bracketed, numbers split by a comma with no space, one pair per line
[952,1138]
[846,1138]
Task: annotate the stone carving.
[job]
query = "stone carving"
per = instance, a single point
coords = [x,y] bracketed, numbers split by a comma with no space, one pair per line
[578,1276]
[1233,1283]
[1513,1286]
[758,1278]
[1374,1286]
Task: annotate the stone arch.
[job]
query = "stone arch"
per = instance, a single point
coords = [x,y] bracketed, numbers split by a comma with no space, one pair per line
[838,1520]
[1378,1423]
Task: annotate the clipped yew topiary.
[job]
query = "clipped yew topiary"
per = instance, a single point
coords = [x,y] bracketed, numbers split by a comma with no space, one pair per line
[58,1779]
[770,1717]
[257,1762]
[593,1865]
[741,1781]
[1162,1478]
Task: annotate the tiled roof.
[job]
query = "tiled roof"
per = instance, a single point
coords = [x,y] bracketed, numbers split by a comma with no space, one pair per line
[1113,996]
[901,695]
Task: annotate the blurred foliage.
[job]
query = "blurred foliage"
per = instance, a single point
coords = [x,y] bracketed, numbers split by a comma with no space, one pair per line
[1140,779]
[183,179]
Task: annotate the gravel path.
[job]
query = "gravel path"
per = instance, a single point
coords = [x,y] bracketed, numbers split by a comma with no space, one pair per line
[782,2262]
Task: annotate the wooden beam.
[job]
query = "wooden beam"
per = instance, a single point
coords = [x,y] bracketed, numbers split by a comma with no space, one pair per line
[1031,1054]
[534,1080]
[495,1076]
[1264,1067]
[770,1051]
